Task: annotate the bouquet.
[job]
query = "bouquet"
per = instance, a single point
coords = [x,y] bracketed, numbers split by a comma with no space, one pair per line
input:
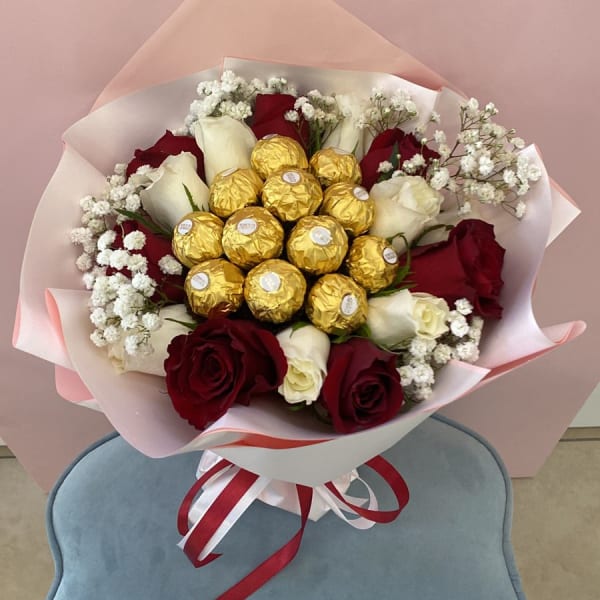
[303,268]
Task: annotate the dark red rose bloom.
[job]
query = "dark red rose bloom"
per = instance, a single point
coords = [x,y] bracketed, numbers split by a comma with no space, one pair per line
[167,145]
[381,150]
[221,362]
[467,265]
[154,249]
[269,118]
[362,388]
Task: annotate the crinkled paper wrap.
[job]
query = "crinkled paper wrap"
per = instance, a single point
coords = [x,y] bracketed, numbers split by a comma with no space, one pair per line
[53,323]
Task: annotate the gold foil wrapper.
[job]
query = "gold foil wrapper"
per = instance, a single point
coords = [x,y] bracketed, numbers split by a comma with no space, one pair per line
[214,284]
[234,189]
[274,291]
[251,235]
[332,165]
[351,205]
[197,237]
[275,152]
[317,245]
[292,194]
[372,262]
[336,304]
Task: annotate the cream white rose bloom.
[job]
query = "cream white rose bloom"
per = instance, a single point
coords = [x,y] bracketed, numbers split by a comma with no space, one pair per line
[405,204]
[159,340]
[431,314]
[165,200]
[306,350]
[226,143]
[400,316]
[390,318]
[347,135]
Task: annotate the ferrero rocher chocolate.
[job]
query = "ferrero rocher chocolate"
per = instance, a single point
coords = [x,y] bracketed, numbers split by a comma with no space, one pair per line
[317,245]
[274,291]
[197,237]
[336,304]
[214,283]
[351,205]
[233,189]
[275,152]
[333,165]
[292,194]
[251,235]
[372,262]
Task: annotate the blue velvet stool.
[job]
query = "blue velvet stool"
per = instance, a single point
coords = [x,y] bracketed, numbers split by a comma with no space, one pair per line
[112,531]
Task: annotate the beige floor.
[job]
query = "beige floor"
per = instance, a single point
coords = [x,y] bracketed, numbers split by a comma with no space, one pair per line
[556,528]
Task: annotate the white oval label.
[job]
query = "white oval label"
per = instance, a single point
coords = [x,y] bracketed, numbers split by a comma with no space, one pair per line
[228,172]
[270,282]
[320,236]
[390,256]
[349,305]
[200,281]
[269,136]
[184,227]
[292,177]
[247,226]
[360,193]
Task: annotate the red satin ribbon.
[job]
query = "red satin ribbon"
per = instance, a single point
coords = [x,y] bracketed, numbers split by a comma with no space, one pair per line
[233,493]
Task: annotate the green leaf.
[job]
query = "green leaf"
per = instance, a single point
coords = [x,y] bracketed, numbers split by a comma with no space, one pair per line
[146,222]
[299,325]
[297,407]
[190,198]
[189,325]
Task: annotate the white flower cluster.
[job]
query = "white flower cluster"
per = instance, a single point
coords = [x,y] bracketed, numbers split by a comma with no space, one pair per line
[484,164]
[120,305]
[320,111]
[232,96]
[424,356]
[387,112]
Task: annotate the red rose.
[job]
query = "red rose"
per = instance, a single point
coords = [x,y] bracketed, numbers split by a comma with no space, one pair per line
[381,150]
[268,117]
[167,145]
[467,265]
[221,362]
[154,249]
[362,388]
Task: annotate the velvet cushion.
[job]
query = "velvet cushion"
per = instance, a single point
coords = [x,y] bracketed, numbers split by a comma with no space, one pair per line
[112,531]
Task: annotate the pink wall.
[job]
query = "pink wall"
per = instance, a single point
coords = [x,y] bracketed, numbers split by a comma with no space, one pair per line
[539,68]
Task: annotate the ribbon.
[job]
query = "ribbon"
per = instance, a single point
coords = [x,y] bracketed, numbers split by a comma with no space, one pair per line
[230,490]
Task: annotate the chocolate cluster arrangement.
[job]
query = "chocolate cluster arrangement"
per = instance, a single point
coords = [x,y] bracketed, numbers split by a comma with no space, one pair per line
[285,236]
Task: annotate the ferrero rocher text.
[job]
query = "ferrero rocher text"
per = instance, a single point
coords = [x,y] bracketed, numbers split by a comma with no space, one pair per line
[317,245]
[251,235]
[372,262]
[336,304]
[274,291]
[213,284]
[197,237]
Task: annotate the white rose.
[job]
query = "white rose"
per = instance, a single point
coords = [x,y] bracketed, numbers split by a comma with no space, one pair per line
[306,350]
[159,340]
[406,205]
[347,135]
[165,200]
[400,316]
[390,318]
[430,314]
[226,143]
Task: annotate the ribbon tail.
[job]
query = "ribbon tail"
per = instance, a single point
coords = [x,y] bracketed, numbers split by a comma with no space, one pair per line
[277,561]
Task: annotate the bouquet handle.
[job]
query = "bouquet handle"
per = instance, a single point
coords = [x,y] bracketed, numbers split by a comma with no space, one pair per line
[230,490]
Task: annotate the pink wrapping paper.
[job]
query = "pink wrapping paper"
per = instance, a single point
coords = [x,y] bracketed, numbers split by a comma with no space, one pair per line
[167,56]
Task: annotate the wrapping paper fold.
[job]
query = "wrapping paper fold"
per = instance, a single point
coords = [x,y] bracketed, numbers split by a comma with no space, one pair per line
[52,320]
